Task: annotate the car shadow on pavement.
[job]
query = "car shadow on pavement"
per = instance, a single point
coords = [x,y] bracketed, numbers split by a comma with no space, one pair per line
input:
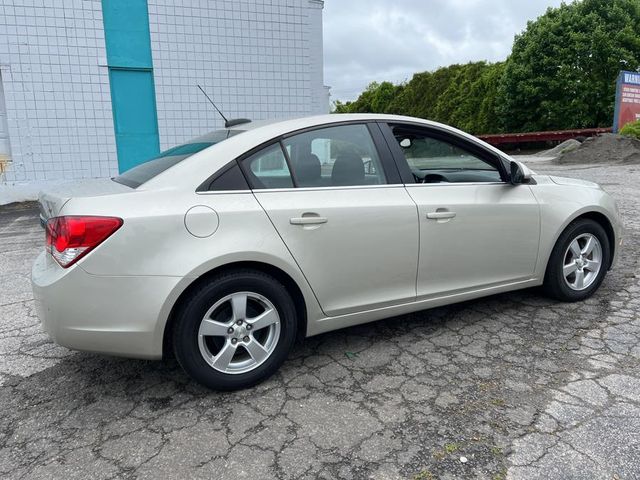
[82,377]
[459,372]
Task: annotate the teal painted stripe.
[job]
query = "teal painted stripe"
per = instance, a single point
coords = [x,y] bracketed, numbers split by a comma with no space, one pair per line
[133,99]
[126,33]
[134,116]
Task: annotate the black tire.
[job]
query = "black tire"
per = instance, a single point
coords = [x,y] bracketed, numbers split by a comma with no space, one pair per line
[195,306]
[554,282]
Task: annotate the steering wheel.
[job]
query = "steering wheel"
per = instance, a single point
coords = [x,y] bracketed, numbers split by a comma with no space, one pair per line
[434,178]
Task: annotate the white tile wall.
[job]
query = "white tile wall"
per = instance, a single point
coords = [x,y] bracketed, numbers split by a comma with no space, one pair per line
[57,95]
[256,58]
[319,92]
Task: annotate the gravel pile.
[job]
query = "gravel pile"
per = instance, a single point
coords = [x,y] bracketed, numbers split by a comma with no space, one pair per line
[605,148]
[565,147]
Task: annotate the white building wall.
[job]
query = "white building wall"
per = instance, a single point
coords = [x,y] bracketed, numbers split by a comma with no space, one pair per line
[256,58]
[57,94]
[319,98]
[5,149]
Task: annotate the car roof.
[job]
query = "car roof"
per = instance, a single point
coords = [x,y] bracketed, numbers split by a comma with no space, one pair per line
[262,131]
[291,124]
[287,125]
[323,119]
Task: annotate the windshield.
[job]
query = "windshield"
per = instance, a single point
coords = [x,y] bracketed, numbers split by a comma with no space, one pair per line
[146,171]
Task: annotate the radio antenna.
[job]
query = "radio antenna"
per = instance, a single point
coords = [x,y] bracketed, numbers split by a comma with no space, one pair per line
[214,105]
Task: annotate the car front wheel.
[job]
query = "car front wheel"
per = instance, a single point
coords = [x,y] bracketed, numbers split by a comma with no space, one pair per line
[235,330]
[578,262]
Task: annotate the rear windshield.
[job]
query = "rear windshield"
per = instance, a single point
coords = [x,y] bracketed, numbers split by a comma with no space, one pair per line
[146,171]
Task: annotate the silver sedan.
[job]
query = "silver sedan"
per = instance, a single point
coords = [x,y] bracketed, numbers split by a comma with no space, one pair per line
[225,249]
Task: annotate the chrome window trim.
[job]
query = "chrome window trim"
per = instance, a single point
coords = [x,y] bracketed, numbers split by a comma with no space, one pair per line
[454,184]
[222,192]
[349,187]
[304,189]
[321,189]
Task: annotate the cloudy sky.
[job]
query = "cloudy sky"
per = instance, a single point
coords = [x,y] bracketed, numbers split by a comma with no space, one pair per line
[367,40]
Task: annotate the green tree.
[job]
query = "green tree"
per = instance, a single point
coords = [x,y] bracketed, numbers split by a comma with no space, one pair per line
[421,94]
[469,100]
[375,99]
[561,74]
[459,95]
[562,69]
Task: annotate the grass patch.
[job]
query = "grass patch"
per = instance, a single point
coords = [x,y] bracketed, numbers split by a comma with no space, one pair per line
[501,475]
[424,475]
[451,447]
[446,450]
[631,130]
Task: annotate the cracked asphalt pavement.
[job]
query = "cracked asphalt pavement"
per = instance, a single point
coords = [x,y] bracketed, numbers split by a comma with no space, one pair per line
[510,386]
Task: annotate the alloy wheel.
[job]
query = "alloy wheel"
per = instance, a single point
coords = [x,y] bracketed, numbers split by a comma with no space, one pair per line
[582,262]
[239,332]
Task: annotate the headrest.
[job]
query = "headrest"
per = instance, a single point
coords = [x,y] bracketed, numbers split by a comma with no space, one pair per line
[308,170]
[348,169]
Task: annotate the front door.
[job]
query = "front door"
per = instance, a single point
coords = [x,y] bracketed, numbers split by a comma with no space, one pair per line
[354,235]
[476,229]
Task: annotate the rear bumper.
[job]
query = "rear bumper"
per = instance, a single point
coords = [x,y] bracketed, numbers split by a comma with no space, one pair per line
[104,314]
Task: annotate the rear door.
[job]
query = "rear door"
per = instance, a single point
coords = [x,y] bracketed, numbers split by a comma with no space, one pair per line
[476,229]
[335,197]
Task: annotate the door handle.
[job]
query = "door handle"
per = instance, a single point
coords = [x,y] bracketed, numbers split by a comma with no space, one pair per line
[438,215]
[308,220]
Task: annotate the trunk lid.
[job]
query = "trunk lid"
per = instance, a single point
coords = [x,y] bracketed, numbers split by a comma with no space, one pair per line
[55,197]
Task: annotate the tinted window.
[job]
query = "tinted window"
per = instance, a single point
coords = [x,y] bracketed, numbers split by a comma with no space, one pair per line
[434,160]
[336,156]
[268,168]
[167,159]
[230,179]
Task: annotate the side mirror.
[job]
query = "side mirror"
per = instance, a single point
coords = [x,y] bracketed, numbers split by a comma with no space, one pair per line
[519,173]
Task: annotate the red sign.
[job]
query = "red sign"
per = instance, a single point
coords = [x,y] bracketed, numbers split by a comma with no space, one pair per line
[627,107]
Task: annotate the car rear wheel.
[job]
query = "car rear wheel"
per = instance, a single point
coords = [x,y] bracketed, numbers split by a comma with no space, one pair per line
[578,262]
[235,330]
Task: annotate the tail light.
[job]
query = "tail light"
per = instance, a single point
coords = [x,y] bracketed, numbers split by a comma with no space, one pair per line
[71,238]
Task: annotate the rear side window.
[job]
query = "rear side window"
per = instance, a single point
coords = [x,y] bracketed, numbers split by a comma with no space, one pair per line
[146,171]
[268,168]
[338,156]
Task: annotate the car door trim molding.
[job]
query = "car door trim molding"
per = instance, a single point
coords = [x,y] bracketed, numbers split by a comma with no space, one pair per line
[305,189]
[308,189]
[453,184]
[329,324]
[311,189]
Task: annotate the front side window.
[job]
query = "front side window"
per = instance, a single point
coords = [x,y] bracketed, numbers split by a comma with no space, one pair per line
[338,156]
[435,160]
